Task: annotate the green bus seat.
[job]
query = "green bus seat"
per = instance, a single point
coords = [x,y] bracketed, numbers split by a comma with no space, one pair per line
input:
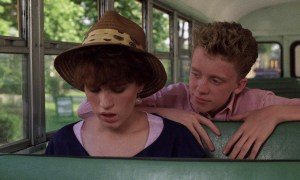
[286,87]
[278,159]
[284,142]
[29,167]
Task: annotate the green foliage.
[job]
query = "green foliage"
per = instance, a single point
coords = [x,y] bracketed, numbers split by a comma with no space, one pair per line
[130,9]
[54,84]
[10,123]
[53,121]
[265,47]
[133,10]
[62,20]
[5,129]
[160,31]
[10,74]
[65,20]
[8,20]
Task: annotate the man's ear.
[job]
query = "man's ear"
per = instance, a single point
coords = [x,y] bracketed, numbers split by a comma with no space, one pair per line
[241,85]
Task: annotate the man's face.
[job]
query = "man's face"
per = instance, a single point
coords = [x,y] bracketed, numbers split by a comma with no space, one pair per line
[212,81]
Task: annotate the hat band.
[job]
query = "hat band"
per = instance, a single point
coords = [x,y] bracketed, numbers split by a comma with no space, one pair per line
[110,36]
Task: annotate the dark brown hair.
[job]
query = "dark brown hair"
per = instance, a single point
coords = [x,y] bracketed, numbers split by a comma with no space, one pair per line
[110,65]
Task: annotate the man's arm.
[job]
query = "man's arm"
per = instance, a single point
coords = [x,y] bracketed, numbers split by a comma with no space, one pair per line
[257,127]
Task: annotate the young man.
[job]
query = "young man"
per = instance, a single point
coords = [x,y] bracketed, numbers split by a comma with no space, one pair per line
[223,54]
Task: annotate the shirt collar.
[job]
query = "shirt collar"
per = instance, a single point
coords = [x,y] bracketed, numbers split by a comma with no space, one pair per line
[226,112]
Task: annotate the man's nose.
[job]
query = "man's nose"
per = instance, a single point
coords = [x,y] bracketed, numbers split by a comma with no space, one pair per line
[202,86]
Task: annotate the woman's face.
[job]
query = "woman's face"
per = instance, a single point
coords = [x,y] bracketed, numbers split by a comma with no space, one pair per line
[113,105]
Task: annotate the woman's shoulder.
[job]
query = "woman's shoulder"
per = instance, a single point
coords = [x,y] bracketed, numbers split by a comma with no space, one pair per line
[64,142]
[172,126]
[65,132]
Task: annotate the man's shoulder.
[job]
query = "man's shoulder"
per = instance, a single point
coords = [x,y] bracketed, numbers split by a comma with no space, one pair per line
[177,85]
[251,99]
[175,88]
[255,92]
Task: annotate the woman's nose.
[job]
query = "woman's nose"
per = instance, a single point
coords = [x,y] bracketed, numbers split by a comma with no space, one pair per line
[106,100]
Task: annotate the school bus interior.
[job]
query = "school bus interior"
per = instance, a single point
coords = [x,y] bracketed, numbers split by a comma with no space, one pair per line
[30,113]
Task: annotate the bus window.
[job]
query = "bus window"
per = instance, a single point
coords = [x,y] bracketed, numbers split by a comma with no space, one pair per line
[12,125]
[295,59]
[161,31]
[9,13]
[268,63]
[168,67]
[184,49]
[68,20]
[161,40]
[61,100]
[64,21]
[130,9]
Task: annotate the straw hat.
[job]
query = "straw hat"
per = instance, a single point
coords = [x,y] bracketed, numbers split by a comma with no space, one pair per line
[114,29]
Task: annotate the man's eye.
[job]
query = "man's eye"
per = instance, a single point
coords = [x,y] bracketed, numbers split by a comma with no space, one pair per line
[196,75]
[216,81]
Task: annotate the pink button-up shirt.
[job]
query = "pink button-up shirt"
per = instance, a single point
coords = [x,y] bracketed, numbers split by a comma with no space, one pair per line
[177,96]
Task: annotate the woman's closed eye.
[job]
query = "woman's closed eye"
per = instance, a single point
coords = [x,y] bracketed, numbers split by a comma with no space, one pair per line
[94,89]
[119,88]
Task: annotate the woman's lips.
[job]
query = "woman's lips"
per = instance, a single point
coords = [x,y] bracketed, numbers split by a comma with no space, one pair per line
[107,117]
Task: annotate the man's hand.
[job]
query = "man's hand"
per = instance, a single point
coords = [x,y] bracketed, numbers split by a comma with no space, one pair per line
[194,122]
[257,127]
[191,120]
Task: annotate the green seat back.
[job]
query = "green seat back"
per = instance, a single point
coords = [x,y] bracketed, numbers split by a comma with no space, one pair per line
[63,168]
[284,142]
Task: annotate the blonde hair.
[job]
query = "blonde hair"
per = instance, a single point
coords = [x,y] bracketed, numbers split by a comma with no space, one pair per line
[231,41]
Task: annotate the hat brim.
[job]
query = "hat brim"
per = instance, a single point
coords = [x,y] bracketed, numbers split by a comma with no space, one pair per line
[66,62]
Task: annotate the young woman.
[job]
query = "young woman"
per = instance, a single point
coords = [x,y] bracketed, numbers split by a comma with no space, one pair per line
[114,70]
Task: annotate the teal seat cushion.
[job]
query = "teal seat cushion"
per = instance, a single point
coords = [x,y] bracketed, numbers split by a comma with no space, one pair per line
[284,142]
[39,167]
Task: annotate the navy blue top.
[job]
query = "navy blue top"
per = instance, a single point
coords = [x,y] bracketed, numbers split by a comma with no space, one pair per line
[175,140]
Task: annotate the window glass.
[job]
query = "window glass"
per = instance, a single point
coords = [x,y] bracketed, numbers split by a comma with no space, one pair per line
[167,63]
[268,63]
[183,35]
[130,9]
[61,100]
[183,50]
[297,61]
[68,20]
[9,23]
[161,29]
[11,112]
[185,63]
